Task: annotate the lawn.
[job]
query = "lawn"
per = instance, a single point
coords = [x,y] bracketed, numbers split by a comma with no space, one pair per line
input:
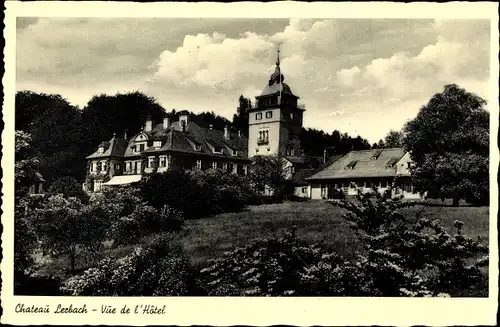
[316,220]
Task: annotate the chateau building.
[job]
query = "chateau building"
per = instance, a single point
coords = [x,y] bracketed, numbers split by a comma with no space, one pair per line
[275,123]
[158,148]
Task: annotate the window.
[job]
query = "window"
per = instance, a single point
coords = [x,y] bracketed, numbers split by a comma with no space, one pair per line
[383,183]
[101,149]
[304,190]
[408,165]
[323,191]
[263,137]
[269,114]
[407,187]
[117,167]
[352,164]
[256,150]
[224,166]
[103,166]
[258,116]
[151,161]
[94,166]
[292,169]
[163,161]
[235,169]
[292,116]
[392,162]
[198,164]
[197,147]
[214,164]
[245,170]
[376,155]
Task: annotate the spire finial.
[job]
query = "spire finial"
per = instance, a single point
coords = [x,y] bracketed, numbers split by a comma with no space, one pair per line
[278,57]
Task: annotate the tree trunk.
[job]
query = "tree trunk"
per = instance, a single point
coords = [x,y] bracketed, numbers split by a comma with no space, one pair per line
[456,201]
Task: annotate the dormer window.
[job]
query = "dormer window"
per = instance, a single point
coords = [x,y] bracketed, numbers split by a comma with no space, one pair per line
[218,149]
[100,150]
[157,144]
[197,147]
[235,153]
[392,162]
[376,155]
[352,164]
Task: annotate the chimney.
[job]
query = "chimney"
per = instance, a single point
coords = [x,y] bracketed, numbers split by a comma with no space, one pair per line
[166,122]
[227,133]
[149,125]
[125,135]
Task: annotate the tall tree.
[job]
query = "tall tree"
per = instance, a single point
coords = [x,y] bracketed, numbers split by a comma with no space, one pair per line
[240,119]
[54,125]
[393,139]
[449,145]
[107,114]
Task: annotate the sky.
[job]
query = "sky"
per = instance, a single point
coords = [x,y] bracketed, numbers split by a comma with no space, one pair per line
[360,76]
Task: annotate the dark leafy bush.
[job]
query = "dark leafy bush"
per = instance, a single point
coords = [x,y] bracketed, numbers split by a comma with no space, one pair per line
[157,268]
[273,267]
[69,187]
[412,256]
[196,193]
[145,220]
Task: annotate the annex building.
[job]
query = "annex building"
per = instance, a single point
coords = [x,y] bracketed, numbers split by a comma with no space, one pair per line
[364,169]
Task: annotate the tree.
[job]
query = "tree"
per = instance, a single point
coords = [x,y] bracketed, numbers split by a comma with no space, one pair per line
[240,119]
[64,226]
[449,145]
[271,172]
[393,139]
[56,135]
[26,164]
[69,187]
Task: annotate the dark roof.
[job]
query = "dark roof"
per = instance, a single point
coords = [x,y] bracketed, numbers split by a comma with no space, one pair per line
[299,178]
[365,164]
[276,88]
[174,138]
[112,148]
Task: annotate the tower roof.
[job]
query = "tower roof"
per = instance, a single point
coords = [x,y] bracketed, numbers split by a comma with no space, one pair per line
[276,84]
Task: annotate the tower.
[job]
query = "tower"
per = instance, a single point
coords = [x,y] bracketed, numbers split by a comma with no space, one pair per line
[276,119]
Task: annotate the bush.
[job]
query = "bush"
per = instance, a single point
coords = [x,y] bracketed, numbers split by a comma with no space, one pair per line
[146,220]
[157,268]
[412,256]
[196,193]
[275,267]
[69,187]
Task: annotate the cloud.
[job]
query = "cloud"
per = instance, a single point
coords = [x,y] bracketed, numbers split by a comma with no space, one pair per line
[348,72]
